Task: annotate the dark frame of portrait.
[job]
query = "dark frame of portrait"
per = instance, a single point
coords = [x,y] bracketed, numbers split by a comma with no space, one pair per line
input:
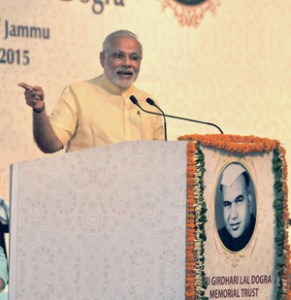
[240,243]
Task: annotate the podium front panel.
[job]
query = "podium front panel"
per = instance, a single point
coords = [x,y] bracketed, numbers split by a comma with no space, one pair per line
[102,223]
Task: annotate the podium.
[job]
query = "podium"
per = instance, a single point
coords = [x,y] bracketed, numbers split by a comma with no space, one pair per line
[142,220]
[102,223]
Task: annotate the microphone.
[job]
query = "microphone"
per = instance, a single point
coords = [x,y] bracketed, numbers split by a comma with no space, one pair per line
[151,102]
[135,101]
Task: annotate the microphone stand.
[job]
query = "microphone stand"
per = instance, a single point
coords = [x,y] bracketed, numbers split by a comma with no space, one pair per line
[151,102]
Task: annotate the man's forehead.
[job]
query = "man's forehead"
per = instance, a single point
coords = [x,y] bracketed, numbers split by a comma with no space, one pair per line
[231,173]
[121,43]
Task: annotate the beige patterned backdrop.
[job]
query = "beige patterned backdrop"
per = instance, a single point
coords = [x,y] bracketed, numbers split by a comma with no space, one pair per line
[233,69]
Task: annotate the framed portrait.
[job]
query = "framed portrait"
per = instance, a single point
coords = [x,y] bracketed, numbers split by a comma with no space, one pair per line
[235,206]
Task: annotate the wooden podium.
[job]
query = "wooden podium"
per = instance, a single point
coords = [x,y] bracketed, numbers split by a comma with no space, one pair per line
[142,220]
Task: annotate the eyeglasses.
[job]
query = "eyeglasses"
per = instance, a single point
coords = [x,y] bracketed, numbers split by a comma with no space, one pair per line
[120,55]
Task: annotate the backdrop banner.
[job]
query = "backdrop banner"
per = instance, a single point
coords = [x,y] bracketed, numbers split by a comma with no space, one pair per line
[237,211]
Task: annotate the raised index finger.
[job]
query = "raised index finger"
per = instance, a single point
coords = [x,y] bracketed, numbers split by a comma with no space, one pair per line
[25,86]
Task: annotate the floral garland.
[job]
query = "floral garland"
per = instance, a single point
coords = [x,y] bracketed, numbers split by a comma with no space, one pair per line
[234,143]
[196,218]
[190,224]
[195,284]
[282,216]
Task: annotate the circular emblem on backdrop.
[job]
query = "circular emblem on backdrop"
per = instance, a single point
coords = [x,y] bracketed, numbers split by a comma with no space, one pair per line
[191,2]
[190,12]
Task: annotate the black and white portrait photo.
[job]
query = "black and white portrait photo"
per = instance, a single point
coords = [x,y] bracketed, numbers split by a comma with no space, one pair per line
[235,207]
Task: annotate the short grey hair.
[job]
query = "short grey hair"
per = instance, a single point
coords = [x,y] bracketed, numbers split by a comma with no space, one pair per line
[118,34]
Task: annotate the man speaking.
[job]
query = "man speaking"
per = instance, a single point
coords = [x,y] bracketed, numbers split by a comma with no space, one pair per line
[98,111]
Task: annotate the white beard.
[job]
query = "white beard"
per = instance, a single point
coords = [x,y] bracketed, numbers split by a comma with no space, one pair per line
[123,83]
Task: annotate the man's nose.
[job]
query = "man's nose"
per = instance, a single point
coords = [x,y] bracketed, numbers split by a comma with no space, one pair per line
[127,61]
[233,211]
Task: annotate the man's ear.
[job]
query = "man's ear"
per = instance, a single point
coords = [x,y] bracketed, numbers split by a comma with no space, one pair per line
[102,59]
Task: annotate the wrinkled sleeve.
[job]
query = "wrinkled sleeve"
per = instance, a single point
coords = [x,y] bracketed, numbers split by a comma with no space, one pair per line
[64,116]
